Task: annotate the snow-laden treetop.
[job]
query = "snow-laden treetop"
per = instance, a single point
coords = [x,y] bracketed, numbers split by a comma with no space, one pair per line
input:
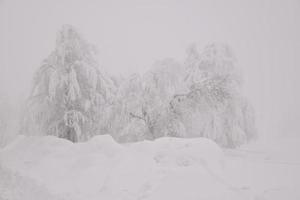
[70,88]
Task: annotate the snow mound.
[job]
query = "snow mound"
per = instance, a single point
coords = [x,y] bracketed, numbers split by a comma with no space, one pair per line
[178,152]
[167,168]
[13,186]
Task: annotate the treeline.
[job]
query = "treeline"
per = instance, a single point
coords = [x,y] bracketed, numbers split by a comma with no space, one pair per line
[72,97]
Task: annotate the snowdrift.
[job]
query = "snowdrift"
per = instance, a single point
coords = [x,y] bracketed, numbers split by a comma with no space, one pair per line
[167,168]
[102,168]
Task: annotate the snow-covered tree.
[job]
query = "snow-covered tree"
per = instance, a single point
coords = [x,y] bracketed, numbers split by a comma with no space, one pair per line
[214,106]
[143,103]
[128,102]
[70,97]
[160,84]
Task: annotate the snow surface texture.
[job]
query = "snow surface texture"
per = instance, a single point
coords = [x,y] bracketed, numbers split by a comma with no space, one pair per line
[47,167]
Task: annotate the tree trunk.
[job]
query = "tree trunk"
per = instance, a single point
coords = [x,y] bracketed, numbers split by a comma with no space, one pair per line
[71,134]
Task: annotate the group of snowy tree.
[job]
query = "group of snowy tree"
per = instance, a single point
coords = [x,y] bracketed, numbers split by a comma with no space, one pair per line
[72,97]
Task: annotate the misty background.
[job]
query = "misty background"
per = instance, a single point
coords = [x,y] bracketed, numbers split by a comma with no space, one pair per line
[132,35]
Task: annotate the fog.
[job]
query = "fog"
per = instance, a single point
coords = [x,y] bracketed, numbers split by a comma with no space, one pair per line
[132,35]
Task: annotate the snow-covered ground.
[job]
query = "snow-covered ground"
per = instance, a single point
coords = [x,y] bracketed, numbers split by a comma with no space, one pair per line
[167,168]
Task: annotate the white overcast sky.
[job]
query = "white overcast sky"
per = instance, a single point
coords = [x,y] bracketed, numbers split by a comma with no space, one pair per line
[132,34]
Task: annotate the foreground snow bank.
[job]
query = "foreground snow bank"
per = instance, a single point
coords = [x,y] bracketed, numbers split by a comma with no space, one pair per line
[167,168]
[164,168]
[14,186]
